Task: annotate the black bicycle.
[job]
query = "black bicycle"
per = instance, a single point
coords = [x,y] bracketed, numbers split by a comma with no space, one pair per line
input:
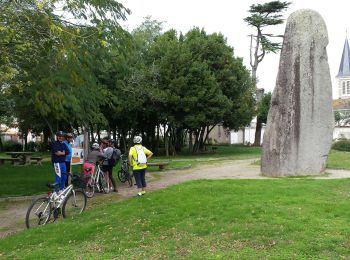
[124,172]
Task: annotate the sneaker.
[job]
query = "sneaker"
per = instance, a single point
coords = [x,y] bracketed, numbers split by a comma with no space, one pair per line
[139,194]
[143,192]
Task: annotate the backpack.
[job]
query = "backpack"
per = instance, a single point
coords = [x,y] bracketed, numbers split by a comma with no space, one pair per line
[114,157]
[141,158]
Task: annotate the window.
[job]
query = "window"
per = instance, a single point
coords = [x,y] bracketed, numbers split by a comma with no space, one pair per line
[344,88]
[348,87]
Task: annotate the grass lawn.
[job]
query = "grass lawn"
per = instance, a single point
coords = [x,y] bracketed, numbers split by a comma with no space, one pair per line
[338,160]
[31,180]
[231,219]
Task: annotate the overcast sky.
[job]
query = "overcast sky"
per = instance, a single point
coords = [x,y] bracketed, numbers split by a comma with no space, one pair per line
[226,17]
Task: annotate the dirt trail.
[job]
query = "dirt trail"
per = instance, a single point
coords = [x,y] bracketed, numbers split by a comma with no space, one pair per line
[12,214]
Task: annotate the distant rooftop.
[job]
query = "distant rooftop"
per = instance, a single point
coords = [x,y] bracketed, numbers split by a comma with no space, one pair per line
[344,68]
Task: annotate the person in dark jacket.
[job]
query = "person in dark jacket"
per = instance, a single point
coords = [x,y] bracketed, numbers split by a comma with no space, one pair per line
[58,158]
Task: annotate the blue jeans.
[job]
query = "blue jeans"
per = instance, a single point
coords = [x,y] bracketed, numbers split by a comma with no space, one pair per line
[60,174]
[139,176]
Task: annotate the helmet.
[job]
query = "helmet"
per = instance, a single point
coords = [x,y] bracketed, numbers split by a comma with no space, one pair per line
[137,139]
[69,135]
[60,133]
[95,146]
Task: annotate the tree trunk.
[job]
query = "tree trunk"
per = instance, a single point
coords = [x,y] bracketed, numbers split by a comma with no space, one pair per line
[25,136]
[166,141]
[257,139]
[190,142]
[98,134]
[86,144]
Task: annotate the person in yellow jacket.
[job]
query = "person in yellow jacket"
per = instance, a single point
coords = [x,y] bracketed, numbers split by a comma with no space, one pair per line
[138,157]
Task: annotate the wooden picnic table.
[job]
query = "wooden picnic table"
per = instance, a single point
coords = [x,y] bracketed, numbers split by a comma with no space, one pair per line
[161,165]
[24,156]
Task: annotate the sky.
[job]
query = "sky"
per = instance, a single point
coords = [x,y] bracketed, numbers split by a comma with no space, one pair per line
[226,17]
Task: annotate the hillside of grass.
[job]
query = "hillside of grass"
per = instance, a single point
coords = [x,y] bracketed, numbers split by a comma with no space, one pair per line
[226,219]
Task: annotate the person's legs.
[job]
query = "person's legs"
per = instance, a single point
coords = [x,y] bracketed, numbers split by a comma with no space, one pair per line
[69,174]
[137,176]
[143,181]
[58,174]
[63,175]
[112,181]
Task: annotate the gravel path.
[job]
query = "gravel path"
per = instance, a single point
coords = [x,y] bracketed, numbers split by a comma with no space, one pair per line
[12,214]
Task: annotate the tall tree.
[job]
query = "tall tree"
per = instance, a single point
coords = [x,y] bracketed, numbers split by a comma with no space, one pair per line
[48,60]
[261,43]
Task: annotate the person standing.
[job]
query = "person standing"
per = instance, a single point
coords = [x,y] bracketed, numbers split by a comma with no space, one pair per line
[93,157]
[69,142]
[58,158]
[138,157]
[107,167]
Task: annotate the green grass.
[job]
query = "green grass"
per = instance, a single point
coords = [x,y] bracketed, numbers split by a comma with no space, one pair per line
[26,180]
[228,219]
[338,160]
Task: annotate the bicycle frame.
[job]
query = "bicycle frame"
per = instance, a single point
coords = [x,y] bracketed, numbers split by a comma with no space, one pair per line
[96,176]
[125,163]
[58,198]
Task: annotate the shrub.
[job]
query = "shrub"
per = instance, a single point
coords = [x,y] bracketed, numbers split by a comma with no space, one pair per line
[342,145]
[12,146]
[32,146]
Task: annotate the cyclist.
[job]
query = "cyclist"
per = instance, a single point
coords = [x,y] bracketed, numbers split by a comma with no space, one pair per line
[58,158]
[68,142]
[92,158]
[107,168]
[138,157]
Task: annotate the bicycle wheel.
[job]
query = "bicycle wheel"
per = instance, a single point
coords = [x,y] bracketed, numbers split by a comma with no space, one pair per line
[74,204]
[129,178]
[89,188]
[104,185]
[38,213]
[121,176]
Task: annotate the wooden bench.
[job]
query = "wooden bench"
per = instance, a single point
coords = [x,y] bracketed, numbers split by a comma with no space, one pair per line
[37,160]
[14,161]
[160,165]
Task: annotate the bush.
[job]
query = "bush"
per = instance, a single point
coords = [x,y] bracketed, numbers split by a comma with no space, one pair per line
[32,146]
[342,145]
[11,146]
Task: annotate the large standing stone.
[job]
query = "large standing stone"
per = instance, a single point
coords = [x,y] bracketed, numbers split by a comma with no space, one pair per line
[299,128]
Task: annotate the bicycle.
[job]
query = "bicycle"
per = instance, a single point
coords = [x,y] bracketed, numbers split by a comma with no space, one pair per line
[96,181]
[124,173]
[69,203]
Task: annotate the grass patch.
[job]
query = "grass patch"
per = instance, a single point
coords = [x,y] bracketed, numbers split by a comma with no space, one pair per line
[240,219]
[339,160]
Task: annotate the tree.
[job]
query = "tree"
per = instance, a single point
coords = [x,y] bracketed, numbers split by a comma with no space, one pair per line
[263,107]
[48,61]
[261,43]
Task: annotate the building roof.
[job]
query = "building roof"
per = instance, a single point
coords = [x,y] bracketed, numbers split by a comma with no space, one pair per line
[344,68]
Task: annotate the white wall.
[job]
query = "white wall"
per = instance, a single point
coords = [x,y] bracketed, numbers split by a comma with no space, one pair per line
[237,137]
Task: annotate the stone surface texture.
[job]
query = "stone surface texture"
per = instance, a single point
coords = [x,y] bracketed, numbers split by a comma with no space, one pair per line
[300,122]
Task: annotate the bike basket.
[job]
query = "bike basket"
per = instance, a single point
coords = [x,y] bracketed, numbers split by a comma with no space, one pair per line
[78,180]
